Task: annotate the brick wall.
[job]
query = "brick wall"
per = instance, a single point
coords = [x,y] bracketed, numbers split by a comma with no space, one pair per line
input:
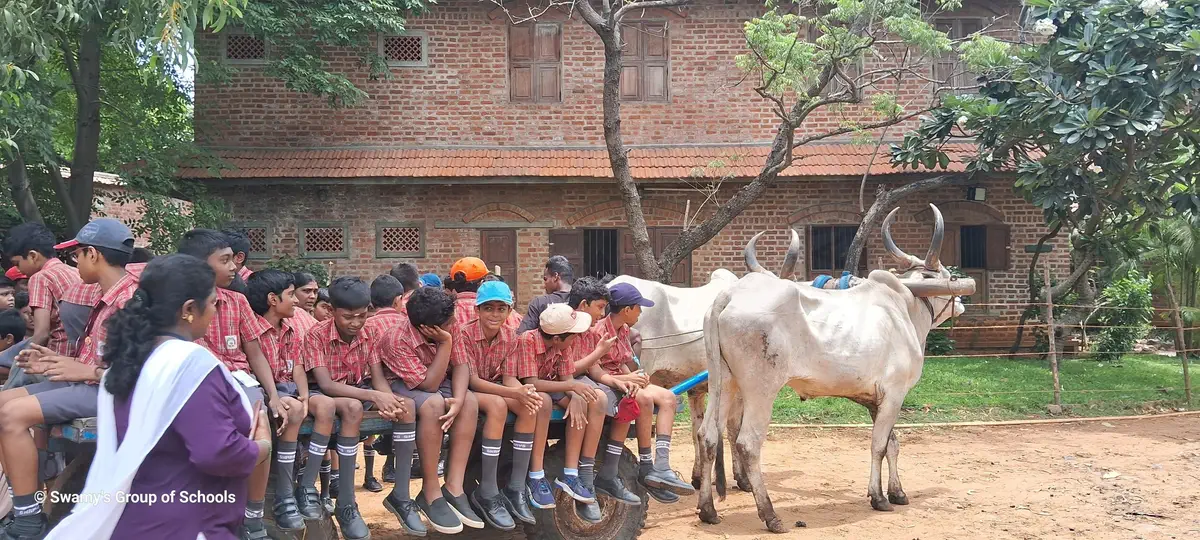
[461,97]
[109,204]
[459,208]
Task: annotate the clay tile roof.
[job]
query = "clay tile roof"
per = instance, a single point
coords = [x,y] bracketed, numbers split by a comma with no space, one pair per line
[666,163]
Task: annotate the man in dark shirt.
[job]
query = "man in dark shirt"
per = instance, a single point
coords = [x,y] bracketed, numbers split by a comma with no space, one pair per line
[556,280]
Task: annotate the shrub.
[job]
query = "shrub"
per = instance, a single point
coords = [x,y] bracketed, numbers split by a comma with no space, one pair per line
[1128,324]
[939,343]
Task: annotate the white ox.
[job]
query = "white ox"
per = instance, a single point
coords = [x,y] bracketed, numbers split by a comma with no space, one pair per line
[866,344]
[672,337]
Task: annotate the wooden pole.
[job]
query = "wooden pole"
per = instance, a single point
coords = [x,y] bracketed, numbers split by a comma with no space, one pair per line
[1180,343]
[1050,337]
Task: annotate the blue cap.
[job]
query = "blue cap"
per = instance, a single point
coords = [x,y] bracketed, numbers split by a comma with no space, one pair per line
[494,291]
[624,294]
[104,233]
[431,280]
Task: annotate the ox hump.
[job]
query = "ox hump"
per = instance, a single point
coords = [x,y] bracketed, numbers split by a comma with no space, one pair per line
[889,280]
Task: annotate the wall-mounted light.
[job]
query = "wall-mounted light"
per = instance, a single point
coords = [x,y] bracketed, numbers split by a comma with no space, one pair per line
[976,194]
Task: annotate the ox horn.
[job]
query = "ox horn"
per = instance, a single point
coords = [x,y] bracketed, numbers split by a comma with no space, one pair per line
[789,260]
[932,261]
[940,287]
[897,253]
[751,257]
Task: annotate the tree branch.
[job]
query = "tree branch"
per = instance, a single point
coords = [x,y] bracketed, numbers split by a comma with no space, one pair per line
[646,4]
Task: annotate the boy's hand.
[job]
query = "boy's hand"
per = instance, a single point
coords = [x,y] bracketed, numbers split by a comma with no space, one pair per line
[388,402]
[304,406]
[34,354]
[529,398]
[63,369]
[452,409]
[584,390]
[436,333]
[576,414]
[628,388]
[606,344]
[280,410]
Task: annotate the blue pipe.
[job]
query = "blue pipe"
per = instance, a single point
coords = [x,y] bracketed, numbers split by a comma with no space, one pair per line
[690,383]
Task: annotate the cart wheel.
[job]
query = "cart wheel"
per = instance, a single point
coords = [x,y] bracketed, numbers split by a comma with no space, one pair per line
[321,529]
[620,521]
[71,480]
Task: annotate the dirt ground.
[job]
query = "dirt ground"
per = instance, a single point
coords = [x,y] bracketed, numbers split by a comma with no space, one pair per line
[1135,479]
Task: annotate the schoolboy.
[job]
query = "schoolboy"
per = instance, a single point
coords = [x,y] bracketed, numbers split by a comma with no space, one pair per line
[7,290]
[240,245]
[30,249]
[19,279]
[543,360]
[12,332]
[387,296]
[233,337]
[615,372]
[589,295]
[101,249]
[271,294]
[466,276]
[417,359]
[489,345]
[340,361]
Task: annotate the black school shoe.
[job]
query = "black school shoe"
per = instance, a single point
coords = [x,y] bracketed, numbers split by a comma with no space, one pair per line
[517,504]
[589,512]
[493,511]
[615,488]
[389,470]
[462,508]
[308,503]
[440,515]
[287,514]
[351,523]
[668,480]
[27,528]
[408,514]
[372,485]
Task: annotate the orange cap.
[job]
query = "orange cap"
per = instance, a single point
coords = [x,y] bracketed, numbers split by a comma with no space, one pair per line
[473,268]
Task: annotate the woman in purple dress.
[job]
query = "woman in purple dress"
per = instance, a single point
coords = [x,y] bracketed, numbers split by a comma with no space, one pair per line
[174,450]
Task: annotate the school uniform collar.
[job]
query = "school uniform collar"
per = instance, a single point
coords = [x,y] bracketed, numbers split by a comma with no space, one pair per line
[122,285]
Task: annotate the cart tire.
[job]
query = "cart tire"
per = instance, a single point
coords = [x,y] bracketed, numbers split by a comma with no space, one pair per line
[320,529]
[620,522]
[71,480]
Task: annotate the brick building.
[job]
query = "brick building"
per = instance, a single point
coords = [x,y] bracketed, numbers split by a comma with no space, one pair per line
[487,141]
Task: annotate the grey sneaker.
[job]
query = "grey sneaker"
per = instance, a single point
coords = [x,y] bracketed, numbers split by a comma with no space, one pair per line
[589,512]
[407,513]
[440,515]
[670,481]
[462,508]
[616,489]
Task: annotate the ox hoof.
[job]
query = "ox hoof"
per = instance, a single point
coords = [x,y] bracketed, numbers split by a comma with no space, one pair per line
[709,516]
[881,504]
[776,526]
[898,498]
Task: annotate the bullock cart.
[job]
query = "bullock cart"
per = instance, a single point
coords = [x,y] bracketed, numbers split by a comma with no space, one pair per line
[620,522]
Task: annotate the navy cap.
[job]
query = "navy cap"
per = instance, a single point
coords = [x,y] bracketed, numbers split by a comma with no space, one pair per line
[624,294]
[104,233]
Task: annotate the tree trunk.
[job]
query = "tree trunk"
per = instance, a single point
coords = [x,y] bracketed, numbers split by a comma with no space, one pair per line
[1033,297]
[618,155]
[22,196]
[884,201]
[85,160]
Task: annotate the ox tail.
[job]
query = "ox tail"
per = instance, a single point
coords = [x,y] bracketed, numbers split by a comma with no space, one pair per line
[718,374]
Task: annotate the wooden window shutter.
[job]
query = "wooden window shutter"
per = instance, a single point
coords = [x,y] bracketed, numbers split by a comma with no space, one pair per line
[997,247]
[952,247]
[535,61]
[520,43]
[569,244]
[645,75]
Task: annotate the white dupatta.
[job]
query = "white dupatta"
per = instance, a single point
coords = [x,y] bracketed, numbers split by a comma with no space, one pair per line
[171,374]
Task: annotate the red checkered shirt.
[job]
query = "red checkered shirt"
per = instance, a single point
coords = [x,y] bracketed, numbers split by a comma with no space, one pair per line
[303,321]
[378,325]
[487,358]
[234,325]
[46,288]
[621,351]
[407,355]
[464,311]
[348,363]
[96,332]
[281,347]
[534,359]
[83,294]
[245,273]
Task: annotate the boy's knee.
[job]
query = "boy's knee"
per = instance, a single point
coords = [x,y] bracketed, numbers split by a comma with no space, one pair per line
[433,407]
[294,409]
[547,405]
[16,415]
[644,400]
[601,402]
[351,410]
[321,407]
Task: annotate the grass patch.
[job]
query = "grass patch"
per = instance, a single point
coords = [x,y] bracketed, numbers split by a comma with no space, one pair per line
[968,389]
